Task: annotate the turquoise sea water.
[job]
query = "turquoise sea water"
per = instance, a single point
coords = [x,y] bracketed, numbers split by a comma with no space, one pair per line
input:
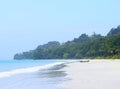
[29,74]
[6,65]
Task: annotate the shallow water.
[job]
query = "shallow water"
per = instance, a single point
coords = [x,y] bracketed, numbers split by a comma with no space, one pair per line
[28,75]
[6,65]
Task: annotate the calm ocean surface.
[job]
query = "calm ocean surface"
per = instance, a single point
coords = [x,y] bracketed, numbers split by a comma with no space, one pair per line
[31,74]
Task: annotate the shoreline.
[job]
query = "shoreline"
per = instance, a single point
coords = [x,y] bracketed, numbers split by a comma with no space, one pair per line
[45,75]
[95,74]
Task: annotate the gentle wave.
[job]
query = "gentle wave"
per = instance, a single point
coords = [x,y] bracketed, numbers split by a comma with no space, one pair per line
[27,70]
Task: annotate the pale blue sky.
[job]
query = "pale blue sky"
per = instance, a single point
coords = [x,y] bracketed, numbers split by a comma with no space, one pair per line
[25,24]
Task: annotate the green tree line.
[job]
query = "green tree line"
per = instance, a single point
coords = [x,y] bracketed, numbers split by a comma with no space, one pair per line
[95,46]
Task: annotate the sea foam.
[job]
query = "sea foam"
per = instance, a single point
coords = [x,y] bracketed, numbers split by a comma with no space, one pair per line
[27,70]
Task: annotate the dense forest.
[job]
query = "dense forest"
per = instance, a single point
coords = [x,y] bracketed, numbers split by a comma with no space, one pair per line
[95,46]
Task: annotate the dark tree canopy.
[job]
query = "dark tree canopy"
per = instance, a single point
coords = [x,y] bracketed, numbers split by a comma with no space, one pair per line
[114,31]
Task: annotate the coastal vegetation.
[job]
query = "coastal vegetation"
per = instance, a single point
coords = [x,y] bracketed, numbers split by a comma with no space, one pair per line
[95,46]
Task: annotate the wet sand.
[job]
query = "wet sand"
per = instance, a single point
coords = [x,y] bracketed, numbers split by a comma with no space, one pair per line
[46,78]
[96,74]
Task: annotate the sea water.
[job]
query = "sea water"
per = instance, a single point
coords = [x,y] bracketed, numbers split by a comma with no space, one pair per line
[30,74]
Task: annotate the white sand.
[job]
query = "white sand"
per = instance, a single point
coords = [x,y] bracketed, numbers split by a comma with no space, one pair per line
[96,74]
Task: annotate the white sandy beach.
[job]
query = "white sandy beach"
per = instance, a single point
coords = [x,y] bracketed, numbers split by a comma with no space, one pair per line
[96,74]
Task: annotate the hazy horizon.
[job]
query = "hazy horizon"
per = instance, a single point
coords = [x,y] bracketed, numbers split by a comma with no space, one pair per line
[25,24]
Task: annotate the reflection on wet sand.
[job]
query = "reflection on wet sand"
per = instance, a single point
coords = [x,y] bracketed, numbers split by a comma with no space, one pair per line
[53,74]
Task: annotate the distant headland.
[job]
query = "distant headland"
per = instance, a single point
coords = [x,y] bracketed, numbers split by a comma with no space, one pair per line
[95,46]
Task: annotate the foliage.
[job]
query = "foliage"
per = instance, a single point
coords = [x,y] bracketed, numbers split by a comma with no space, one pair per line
[95,46]
[114,31]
